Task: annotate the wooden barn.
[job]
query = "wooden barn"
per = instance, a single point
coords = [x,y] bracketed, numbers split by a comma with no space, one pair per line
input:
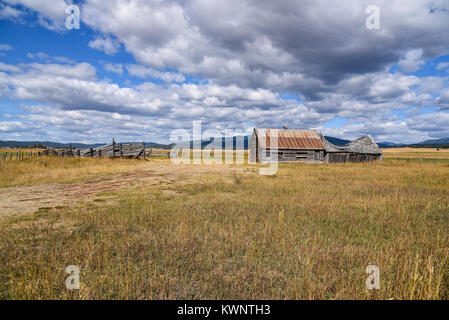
[363,149]
[292,145]
[308,146]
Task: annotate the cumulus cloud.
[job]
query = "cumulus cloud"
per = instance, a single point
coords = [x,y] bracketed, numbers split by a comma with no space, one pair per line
[5,47]
[144,72]
[313,42]
[442,66]
[443,100]
[412,61]
[13,127]
[75,91]
[107,44]
[81,71]
[42,56]
[115,68]
[51,13]
[249,56]
[8,67]
[8,12]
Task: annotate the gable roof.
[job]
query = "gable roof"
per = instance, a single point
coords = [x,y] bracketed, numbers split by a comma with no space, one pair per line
[364,144]
[289,139]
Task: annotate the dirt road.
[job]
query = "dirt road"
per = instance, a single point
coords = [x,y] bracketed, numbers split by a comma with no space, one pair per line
[18,201]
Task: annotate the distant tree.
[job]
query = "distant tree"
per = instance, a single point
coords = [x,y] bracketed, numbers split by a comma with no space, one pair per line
[38,146]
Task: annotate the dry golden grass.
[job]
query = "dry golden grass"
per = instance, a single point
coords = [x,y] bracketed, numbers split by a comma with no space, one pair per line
[20,150]
[415,153]
[308,232]
[52,169]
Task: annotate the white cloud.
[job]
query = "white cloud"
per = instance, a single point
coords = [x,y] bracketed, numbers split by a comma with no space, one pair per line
[245,55]
[8,67]
[51,13]
[47,58]
[144,72]
[443,100]
[81,71]
[7,12]
[412,61]
[107,44]
[12,126]
[5,47]
[115,68]
[442,65]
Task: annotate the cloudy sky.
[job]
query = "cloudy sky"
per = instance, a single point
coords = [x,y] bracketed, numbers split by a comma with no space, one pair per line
[138,69]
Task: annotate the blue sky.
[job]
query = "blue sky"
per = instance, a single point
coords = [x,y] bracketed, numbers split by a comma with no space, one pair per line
[138,70]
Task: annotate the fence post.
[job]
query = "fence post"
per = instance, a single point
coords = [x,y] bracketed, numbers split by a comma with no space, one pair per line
[121,150]
[143,146]
[113,148]
[91,152]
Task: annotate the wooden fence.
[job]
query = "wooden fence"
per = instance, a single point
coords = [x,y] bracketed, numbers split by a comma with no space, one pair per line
[19,155]
[113,150]
[420,160]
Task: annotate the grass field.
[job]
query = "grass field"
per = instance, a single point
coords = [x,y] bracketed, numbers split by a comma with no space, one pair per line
[416,154]
[153,230]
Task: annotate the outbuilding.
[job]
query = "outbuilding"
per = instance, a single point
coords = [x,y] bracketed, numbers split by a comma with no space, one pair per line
[363,149]
[287,145]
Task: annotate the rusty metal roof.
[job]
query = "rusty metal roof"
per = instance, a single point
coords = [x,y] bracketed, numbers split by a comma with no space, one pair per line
[290,139]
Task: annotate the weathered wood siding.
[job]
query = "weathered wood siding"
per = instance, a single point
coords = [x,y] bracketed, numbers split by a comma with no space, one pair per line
[351,157]
[289,155]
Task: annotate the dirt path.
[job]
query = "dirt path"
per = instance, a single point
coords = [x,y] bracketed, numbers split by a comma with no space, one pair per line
[17,201]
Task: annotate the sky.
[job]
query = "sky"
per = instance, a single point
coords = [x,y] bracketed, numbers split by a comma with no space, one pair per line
[137,70]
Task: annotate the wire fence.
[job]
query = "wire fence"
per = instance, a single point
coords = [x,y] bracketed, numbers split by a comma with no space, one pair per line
[419,160]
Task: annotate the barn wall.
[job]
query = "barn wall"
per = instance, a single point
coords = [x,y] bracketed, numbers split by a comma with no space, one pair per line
[289,155]
[336,157]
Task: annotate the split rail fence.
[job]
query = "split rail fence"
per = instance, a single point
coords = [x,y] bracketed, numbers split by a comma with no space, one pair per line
[113,150]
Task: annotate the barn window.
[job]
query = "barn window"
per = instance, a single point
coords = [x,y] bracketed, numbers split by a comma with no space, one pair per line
[301,155]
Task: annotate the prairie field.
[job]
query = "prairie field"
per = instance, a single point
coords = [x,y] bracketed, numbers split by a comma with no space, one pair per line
[415,154]
[154,230]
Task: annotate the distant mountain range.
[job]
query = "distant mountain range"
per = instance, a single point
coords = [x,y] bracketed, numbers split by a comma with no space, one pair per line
[433,143]
[218,143]
[49,144]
